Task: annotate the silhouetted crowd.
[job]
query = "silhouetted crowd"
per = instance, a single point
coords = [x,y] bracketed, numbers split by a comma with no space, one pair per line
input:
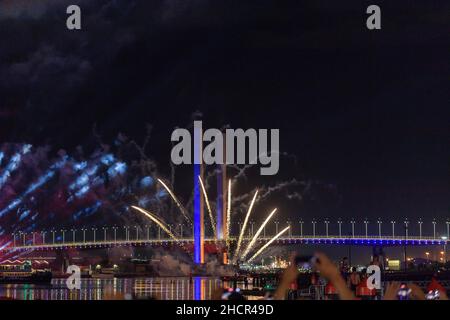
[345,283]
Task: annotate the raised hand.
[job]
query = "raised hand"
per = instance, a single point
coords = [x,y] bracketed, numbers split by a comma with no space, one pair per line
[289,276]
[391,291]
[328,270]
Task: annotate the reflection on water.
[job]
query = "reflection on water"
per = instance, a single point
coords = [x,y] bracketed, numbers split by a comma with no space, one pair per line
[170,288]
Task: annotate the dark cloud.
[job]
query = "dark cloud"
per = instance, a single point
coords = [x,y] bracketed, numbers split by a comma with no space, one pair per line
[24,8]
[366,112]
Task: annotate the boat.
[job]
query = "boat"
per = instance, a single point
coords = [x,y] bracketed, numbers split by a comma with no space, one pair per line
[24,273]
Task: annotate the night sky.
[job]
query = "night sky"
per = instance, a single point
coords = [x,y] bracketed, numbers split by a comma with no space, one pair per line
[363,112]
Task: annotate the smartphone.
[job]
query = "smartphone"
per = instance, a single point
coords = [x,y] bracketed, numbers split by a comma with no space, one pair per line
[306,265]
[305,262]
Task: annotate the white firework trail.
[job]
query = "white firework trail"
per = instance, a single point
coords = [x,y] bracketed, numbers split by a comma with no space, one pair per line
[178,203]
[241,235]
[267,244]
[261,228]
[159,223]
[211,218]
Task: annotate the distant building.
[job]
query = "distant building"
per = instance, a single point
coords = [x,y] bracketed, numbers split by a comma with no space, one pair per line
[394,265]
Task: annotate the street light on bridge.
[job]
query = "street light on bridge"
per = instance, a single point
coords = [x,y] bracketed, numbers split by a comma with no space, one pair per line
[43,236]
[24,239]
[393,228]
[137,232]
[420,222]
[326,226]
[405,257]
[276,226]
[84,234]
[406,222]
[95,233]
[104,233]
[34,237]
[289,230]
[147,228]
[366,222]
[340,227]
[73,234]
[301,227]
[353,227]
[63,235]
[239,223]
[127,234]
[314,228]
[53,235]
[434,228]
[115,233]
[379,222]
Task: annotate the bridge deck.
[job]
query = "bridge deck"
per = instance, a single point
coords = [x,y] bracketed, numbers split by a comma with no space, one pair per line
[329,240]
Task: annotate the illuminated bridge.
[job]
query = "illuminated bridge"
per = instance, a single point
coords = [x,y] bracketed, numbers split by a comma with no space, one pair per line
[357,240]
[141,236]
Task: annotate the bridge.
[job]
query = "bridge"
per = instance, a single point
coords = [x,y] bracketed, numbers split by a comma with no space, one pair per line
[318,239]
[108,237]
